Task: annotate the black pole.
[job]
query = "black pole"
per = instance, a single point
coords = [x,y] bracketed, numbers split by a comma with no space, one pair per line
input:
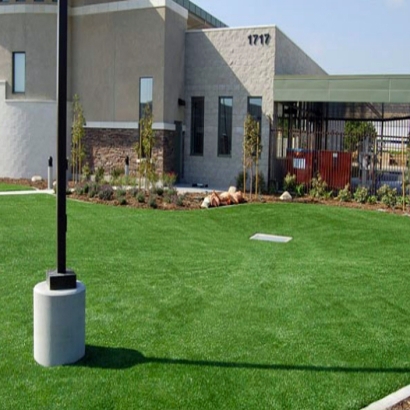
[61,278]
[62,135]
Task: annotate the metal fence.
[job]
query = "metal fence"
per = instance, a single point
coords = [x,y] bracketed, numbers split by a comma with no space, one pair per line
[359,154]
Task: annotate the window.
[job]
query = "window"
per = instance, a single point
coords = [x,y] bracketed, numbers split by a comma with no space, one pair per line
[255,110]
[19,72]
[225,126]
[146,86]
[197,125]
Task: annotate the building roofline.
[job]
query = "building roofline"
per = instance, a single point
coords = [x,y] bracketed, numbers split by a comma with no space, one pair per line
[201,13]
[265,26]
[90,9]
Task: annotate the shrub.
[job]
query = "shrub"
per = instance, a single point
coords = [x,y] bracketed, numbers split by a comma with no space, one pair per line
[400,201]
[105,192]
[179,200]
[272,188]
[134,192]
[120,193]
[239,181]
[387,195]
[169,179]
[344,194]
[140,197]
[122,201]
[261,183]
[159,191]
[123,180]
[86,172]
[99,174]
[85,188]
[116,173]
[93,190]
[372,199]
[171,192]
[289,182]
[319,188]
[152,202]
[328,194]
[80,189]
[361,194]
[300,189]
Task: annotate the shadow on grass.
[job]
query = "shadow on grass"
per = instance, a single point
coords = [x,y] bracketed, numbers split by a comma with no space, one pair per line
[121,358]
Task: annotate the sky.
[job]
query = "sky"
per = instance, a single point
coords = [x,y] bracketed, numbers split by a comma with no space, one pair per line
[342,36]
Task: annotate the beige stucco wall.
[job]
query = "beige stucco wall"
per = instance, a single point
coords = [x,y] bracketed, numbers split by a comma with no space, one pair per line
[35,34]
[174,61]
[110,52]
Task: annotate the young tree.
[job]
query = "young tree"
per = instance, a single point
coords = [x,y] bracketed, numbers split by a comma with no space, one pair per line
[77,135]
[252,149]
[356,132]
[144,148]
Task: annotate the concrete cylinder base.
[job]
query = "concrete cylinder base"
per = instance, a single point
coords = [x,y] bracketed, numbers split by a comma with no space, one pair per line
[59,325]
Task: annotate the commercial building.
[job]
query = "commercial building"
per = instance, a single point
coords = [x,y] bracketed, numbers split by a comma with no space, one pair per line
[200,77]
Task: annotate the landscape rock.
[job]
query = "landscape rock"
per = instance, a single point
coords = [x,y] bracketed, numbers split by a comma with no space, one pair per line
[232,190]
[206,203]
[36,178]
[286,196]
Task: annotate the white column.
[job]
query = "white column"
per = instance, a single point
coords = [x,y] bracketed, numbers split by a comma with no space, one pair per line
[59,325]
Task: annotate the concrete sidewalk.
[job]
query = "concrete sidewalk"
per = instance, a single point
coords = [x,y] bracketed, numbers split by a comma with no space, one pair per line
[180,189]
[34,191]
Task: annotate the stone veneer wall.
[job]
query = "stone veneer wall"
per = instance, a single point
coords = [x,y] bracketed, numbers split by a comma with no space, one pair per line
[108,148]
[165,151]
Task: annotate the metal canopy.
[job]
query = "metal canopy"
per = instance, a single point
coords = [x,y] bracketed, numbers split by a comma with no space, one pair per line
[376,98]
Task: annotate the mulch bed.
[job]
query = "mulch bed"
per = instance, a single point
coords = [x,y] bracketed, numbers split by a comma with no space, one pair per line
[26,182]
[404,405]
[193,201]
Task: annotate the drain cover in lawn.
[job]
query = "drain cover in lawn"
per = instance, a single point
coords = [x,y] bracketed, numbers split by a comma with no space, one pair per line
[271,238]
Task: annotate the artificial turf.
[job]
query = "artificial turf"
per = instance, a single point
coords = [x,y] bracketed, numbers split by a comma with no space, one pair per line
[4,187]
[185,312]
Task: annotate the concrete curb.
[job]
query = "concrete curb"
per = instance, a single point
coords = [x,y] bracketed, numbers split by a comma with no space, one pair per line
[391,400]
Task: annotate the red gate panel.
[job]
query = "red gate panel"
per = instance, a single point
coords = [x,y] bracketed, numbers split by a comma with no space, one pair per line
[335,168]
[300,163]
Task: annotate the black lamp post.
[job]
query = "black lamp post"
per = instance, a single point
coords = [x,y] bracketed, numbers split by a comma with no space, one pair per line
[61,278]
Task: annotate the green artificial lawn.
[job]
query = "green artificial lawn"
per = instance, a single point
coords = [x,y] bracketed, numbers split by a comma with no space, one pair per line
[185,312]
[13,187]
